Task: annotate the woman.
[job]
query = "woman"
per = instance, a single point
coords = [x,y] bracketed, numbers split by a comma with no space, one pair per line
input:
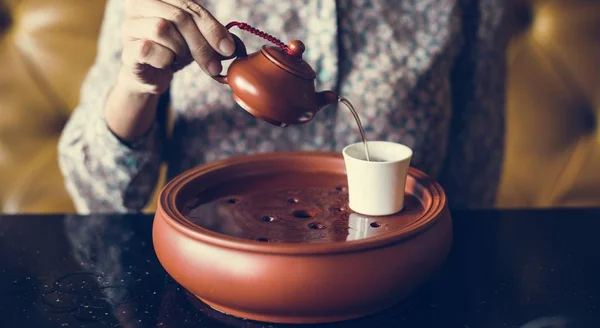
[425,73]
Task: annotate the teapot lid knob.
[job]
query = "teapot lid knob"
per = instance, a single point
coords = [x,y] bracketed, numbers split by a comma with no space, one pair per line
[296,48]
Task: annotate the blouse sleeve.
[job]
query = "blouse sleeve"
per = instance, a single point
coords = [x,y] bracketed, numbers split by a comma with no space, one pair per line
[102,173]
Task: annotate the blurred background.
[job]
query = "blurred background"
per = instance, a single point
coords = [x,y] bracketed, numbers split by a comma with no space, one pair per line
[552,101]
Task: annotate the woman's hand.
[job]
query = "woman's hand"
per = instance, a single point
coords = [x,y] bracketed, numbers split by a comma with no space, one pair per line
[163,36]
[159,38]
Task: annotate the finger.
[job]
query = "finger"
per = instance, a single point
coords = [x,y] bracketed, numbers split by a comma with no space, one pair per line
[199,48]
[213,31]
[157,30]
[147,52]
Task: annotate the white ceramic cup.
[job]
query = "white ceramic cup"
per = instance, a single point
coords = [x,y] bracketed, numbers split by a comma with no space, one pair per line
[376,187]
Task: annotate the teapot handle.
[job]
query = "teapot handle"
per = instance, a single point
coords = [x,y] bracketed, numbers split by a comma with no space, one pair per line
[240,51]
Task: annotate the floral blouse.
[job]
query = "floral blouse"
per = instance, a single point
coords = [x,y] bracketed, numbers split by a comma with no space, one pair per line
[426,73]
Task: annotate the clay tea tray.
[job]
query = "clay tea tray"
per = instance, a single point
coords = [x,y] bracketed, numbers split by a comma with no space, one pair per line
[270,237]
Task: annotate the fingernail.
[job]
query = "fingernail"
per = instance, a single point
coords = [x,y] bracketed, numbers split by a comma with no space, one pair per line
[227,47]
[214,67]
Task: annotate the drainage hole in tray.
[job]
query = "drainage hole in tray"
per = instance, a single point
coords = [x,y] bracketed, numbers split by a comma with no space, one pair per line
[316,225]
[268,218]
[302,214]
[375,224]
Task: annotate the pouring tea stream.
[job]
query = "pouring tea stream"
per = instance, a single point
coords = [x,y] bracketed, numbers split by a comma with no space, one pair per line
[276,85]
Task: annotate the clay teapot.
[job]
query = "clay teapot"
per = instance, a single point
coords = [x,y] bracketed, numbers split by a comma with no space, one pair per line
[274,84]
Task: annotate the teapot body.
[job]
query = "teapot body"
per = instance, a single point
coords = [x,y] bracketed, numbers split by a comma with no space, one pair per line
[270,93]
[274,84]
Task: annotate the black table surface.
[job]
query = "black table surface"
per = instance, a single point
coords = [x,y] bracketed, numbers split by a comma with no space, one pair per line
[529,269]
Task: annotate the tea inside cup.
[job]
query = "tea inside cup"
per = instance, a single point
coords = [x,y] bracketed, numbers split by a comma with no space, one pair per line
[376,186]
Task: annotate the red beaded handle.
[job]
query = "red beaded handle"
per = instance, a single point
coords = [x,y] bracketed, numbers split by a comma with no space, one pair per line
[255,31]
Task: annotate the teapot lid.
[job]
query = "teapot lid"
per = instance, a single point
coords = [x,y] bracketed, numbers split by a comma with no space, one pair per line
[290,59]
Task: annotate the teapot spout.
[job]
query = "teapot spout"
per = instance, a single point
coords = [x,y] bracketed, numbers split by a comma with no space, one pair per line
[325,98]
